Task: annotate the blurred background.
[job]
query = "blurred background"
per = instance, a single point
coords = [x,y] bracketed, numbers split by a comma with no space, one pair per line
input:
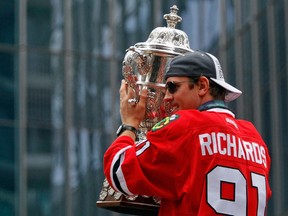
[60,71]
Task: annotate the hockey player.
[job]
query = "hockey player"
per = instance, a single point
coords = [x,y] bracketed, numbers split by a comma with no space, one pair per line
[201,160]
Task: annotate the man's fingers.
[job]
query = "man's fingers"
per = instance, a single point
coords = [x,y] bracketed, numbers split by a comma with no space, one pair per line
[123,89]
[128,94]
[143,97]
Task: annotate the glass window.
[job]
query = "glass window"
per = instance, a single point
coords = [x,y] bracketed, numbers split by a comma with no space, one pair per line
[7,86]
[7,24]
[39,17]
[7,162]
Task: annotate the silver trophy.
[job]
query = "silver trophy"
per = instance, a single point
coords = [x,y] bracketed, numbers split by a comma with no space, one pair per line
[144,66]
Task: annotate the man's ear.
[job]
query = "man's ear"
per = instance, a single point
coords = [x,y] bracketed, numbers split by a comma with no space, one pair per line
[203,85]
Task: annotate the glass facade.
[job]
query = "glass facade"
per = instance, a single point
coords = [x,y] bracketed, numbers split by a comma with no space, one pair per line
[60,73]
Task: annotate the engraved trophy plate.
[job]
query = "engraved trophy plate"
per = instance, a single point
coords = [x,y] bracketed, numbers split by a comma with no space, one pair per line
[144,66]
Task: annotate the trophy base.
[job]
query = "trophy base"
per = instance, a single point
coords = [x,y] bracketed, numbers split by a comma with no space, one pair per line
[139,206]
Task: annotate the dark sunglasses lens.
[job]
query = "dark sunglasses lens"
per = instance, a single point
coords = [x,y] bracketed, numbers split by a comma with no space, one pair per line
[171,87]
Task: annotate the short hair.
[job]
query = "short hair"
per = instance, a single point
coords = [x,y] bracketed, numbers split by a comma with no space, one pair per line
[216,91]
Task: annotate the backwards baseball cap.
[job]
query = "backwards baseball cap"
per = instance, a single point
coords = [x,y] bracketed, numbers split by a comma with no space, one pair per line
[198,63]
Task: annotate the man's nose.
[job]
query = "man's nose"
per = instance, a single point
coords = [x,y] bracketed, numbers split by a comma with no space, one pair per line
[168,96]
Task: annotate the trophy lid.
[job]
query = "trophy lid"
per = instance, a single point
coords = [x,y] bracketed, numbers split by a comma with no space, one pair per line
[167,40]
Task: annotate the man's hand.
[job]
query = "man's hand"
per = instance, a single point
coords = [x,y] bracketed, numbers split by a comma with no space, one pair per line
[131,111]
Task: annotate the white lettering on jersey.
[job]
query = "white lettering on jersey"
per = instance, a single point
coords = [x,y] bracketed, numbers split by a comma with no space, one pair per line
[231,121]
[230,145]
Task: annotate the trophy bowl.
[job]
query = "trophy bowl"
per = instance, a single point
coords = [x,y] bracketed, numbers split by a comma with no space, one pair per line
[144,66]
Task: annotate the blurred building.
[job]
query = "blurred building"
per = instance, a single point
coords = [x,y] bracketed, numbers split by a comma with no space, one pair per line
[60,70]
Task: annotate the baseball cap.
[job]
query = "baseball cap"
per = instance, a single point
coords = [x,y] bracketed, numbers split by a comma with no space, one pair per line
[199,63]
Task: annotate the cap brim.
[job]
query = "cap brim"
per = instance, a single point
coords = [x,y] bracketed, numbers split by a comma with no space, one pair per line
[233,92]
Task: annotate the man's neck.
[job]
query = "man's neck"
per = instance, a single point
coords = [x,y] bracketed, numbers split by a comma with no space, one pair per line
[212,104]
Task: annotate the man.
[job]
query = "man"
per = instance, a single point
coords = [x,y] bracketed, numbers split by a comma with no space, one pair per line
[201,160]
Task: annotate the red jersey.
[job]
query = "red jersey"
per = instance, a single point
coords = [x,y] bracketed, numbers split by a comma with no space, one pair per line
[199,163]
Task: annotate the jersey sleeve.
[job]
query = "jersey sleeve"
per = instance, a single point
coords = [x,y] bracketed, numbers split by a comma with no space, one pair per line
[151,167]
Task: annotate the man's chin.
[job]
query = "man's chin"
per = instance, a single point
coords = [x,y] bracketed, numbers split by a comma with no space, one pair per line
[170,109]
[174,110]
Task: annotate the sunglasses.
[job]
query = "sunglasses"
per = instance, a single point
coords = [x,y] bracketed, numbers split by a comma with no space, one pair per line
[173,86]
